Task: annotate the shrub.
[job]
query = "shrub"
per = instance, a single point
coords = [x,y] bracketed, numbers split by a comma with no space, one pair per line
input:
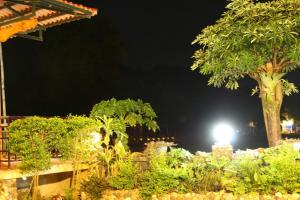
[207,173]
[94,187]
[69,194]
[178,157]
[162,178]
[27,140]
[126,175]
[244,174]
[282,170]
[275,170]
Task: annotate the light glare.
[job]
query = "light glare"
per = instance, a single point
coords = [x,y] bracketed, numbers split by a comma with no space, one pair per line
[223,133]
[96,137]
[297,146]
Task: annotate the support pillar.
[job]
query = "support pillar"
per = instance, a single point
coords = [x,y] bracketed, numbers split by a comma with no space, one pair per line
[3,119]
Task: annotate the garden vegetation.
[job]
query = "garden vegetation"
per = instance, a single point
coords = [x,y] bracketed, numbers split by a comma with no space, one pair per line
[168,169]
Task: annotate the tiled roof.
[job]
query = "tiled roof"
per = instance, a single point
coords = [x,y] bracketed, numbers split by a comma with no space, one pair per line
[48,13]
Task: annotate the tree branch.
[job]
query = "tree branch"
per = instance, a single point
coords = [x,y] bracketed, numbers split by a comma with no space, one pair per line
[254,76]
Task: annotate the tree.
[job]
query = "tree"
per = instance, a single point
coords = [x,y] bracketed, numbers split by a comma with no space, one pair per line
[117,115]
[255,39]
[81,147]
[35,139]
[27,140]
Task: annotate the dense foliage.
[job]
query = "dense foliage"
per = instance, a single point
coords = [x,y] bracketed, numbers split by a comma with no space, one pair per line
[36,139]
[83,140]
[273,170]
[125,174]
[259,39]
[28,140]
[131,112]
[276,170]
[249,35]
[117,115]
[163,176]
[168,169]
[94,187]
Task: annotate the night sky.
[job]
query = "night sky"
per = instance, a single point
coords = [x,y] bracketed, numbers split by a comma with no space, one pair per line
[133,49]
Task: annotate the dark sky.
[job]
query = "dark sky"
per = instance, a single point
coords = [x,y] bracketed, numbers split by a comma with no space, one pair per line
[132,49]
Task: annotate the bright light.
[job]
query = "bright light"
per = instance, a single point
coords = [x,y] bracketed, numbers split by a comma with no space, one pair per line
[96,137]
[287,126]
[223,134]
[24,178]
[297,146]
[288,122]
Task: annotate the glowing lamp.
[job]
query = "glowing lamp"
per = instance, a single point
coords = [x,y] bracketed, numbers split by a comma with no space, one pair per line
[287,126]
[223,134]
[297,146]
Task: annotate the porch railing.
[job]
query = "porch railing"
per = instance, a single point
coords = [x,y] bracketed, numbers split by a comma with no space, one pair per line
[6,158]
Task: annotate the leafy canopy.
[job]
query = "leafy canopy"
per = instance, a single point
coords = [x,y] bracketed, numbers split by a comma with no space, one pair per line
[79,140]
[249,35]
[131,112]
[35,139]
[117,115]
[27,140]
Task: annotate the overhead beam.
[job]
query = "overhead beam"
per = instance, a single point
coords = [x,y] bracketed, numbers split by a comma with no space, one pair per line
[38,37]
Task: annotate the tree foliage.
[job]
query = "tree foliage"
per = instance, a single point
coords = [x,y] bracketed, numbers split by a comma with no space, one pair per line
[27,140]
[249,35]
[36,139]
[255,39]
[131,112]
[117,115]
[79,140]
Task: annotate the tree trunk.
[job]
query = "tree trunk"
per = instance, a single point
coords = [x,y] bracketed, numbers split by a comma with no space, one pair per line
[272,124]
[271,97]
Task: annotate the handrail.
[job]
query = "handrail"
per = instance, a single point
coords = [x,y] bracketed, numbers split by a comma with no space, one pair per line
[5,155]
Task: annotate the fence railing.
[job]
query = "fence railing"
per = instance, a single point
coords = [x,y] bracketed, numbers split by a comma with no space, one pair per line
[6,158]
[138,137]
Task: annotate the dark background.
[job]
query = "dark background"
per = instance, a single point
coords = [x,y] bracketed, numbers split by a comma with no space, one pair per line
[133,49]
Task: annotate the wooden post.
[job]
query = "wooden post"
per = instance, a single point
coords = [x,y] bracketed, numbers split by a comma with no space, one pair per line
[3,121]
[3,99]
[1,133]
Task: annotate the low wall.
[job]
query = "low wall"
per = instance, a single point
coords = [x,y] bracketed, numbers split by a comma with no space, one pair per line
[50,184]
[8,189]
[134,195]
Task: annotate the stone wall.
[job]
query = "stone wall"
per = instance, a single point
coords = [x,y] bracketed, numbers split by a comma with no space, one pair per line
[134,195]
[8,189]
[50,185]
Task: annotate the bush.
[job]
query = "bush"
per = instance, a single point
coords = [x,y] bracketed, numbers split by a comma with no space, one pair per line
[94,187]
[162,178]
[27,140]
[282,170]
[244,175]
[178,157]
[126,175]
[275,170]
[69,194]
[207,173]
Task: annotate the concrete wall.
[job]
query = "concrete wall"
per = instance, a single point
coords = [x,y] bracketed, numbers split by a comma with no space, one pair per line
[49,184]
